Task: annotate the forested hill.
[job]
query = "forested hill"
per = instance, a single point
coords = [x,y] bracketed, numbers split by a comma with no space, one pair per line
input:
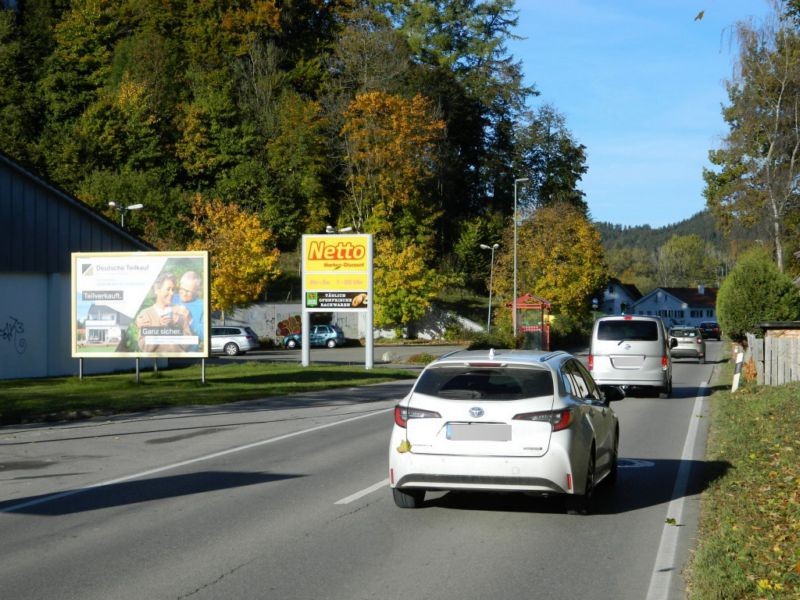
[650,239]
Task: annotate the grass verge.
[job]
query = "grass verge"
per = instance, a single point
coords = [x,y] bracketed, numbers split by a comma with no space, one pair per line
[61,398]
[749,538]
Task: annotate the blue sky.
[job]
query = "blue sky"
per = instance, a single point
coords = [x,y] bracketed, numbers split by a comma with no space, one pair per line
[641,85]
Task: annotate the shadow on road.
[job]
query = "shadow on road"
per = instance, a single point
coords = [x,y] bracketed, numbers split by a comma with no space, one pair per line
[643,482]
[135,492]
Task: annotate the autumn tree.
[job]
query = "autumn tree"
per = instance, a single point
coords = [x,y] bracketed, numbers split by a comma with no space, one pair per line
[758,165]
[686,260]
[559,258]
[242,252]
[391,143]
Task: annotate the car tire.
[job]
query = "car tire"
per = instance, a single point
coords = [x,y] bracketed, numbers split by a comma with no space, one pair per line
[701,360]
[581,504]
[408,499]
[331,343]
[291,344]
[231,349]
[666,391]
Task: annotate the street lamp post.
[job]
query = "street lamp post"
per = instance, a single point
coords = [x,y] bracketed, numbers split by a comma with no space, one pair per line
[122,210]
[493,247]
[514,300]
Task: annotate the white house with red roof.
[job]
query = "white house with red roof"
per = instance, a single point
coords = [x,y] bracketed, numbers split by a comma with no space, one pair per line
[679,305]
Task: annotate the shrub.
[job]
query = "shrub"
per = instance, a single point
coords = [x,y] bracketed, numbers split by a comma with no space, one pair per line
[755,291]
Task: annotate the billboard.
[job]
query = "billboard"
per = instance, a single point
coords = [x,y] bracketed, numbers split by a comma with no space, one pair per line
[337,272]
[140,304]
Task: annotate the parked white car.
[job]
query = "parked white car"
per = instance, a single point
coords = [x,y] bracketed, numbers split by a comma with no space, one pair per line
[504,420]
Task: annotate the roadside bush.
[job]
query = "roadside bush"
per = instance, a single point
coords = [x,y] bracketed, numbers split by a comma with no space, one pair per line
[495,339]
[755,291]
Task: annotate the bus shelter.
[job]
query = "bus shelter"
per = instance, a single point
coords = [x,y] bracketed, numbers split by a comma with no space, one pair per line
[533,322]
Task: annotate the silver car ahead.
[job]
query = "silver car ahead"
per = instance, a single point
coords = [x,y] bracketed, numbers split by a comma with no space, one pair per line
[504,420]
[690,343]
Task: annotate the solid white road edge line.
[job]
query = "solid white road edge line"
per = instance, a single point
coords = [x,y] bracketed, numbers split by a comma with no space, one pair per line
[665,565]
[365,492]
[184,463]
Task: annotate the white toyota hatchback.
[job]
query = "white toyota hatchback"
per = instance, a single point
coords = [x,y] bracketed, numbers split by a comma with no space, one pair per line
[504,420]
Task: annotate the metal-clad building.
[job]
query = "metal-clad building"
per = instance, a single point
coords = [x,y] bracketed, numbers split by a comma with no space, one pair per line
[40,226]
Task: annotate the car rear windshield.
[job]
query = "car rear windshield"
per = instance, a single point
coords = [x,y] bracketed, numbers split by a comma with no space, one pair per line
[683,333]
[463,382]
[637,331]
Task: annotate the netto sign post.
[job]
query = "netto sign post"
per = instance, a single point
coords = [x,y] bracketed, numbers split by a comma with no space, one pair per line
[337,277]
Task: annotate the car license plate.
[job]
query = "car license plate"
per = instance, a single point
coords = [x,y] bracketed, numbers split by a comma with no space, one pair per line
[627,362]
[479,432]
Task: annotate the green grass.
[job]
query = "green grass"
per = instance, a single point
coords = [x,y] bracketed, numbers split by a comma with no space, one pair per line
[32,400]
[750,518]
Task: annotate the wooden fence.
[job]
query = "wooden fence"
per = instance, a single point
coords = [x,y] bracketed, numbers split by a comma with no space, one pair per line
[776,356]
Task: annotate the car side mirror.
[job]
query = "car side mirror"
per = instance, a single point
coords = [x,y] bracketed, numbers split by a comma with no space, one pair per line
[612,393]
[673,342]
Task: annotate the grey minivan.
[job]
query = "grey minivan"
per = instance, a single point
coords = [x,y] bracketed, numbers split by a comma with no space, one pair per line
[631,351]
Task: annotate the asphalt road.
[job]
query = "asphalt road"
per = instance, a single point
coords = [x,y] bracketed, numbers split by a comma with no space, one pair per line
[288,498]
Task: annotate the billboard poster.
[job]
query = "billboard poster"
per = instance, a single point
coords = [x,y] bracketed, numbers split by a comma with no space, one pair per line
[337,271]
[140,304]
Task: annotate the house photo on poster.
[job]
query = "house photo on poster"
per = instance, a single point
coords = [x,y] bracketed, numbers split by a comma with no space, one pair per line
[140,304]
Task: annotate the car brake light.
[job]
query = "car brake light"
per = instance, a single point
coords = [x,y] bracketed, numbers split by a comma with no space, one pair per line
[403,413]
[664,362]
[590,362]
[558,419]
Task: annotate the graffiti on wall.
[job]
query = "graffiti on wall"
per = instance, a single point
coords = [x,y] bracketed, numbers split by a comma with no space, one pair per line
[12,332]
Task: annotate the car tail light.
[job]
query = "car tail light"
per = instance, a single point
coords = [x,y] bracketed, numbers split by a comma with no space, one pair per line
[403,413]
[558,419]
[699,340]
[664,362]
[590,362]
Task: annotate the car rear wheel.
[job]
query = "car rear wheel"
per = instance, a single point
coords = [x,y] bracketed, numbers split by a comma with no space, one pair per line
[581,504]
[666,391]
[331,343]
[231,349]
[291,344]
[408,499]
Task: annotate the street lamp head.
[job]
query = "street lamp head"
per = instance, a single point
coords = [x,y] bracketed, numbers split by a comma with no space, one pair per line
[329,229]
[135,207]
[495,246]
[485,247]
[112,204]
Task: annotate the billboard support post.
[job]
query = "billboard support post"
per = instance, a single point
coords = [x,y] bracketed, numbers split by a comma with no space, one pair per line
[137,370]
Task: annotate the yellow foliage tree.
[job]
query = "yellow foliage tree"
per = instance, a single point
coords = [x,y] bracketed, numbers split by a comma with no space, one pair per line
[242,253]
[390,145]
[559,257]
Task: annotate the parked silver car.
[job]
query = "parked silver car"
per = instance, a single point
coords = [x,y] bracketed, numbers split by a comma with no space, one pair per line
[233,340]
[690,343]
[504,420]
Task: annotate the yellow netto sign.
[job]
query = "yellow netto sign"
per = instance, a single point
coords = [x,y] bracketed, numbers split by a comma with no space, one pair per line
[336,253]
[337,271]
